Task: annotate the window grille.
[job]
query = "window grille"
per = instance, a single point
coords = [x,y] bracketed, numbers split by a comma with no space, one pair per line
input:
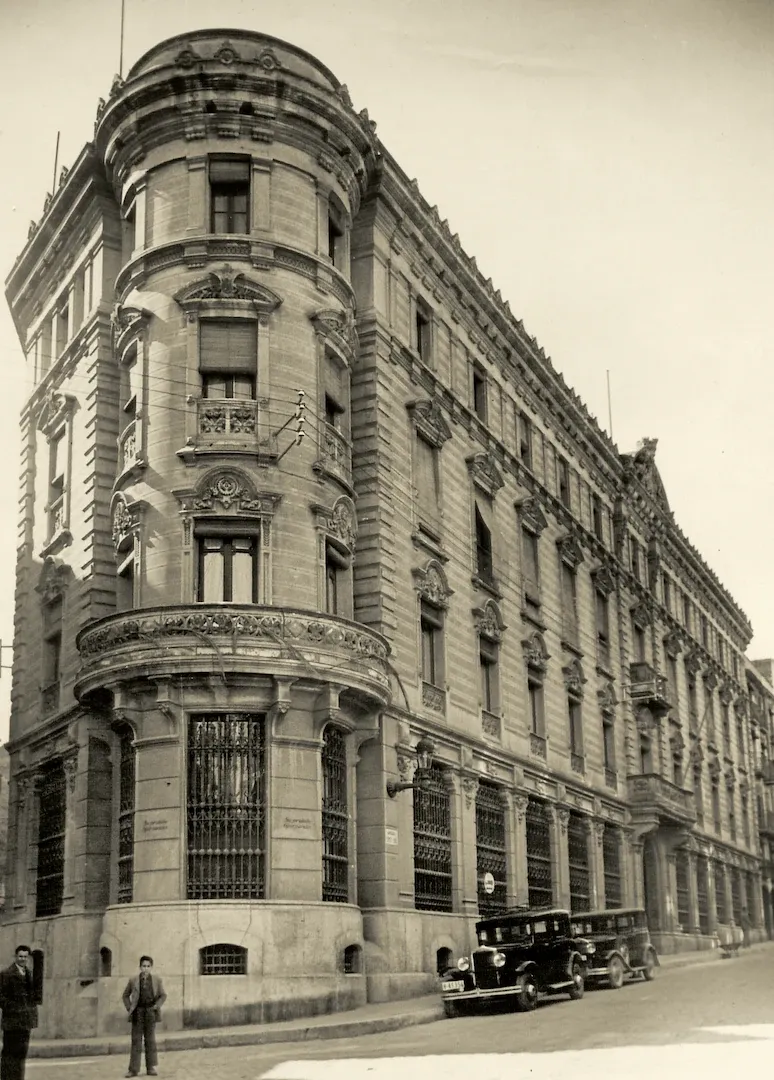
[539,875]
[611,857]
[578,852]
[51,840]
[702,895]
[335,816]
[126,818]
[226,807]
[490,848]
[223,960]
[432,845]
[682,873]
[721,904]
[736,897]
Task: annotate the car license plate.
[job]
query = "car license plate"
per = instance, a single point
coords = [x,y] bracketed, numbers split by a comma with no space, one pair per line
[455,984]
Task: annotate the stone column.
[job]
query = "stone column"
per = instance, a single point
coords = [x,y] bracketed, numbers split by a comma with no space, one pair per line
[637,870]
[462,794]
[518,880]
[668,893]
[159,820]
[694,926]
[729,893]
[712,905]
[382,836]
[140,213]
[71,782]
[25,791]
[597,864]
[560,869]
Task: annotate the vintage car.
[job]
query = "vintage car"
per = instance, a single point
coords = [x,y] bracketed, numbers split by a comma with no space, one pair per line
[519,956]
[623,945]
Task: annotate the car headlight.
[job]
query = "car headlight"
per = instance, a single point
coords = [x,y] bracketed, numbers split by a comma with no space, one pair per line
[463,963]
[591,948]
[498,959]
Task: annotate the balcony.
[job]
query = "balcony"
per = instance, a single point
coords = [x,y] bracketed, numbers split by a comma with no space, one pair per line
[239,639]
[653,795]
[335,458]
[766,772]
[229,425]
[648,689]
[766,824]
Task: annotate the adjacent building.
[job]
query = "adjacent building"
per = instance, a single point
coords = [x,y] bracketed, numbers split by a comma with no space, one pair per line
[300,497]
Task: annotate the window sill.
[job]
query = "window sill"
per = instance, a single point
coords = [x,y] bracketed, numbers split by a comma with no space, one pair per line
[486,586]
[605,670]
[433,547]
[533,617]
[573,647]
[56,543]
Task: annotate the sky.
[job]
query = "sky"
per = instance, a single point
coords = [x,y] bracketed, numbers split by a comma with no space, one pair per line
[609,163]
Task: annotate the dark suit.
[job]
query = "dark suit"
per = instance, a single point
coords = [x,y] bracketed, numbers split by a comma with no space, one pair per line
[144,1008]
[20,1016]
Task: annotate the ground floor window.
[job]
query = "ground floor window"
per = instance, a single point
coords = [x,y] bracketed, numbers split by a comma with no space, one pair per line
[578,851]
[490,848]
[539,876]
[702,895]
[611,857]
[335,816]
[51,840]
[433,845]
[226,806]
[683,876]
[721,900]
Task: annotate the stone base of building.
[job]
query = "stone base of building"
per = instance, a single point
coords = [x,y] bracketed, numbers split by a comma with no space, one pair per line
[667,944]
[302,959]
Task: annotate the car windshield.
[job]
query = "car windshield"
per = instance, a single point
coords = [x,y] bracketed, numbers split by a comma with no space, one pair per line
[507,933]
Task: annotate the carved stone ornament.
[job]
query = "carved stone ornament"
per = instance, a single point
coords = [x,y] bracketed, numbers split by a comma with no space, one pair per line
[520,804]
[570,550]
[186,58]
[535,653]
[531,514]
[710,681]
[126,523]
[470,789]
[484,473]
[642,615]
[267,59]
[227,54]
[124,315]
[673,645]
[428,419]
[563,817]
[55,409]
[431,584]
[71,770]
[694,662]
[574,678]
[230,489]
[227,284]
[740,706]
[53,581]
[645,720]
[598,828]
[337,325]
[726,694]
[607,699]
[343,522]
[604,579]
[407,764]
[489,622]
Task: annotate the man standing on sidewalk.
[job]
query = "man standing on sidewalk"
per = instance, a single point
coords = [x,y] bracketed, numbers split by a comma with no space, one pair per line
[20,1014]
[143,997]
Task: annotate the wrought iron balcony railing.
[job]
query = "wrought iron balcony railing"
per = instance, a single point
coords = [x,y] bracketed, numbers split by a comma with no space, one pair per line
[648,688]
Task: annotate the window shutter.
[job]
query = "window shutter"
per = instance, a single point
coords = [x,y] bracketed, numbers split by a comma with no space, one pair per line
[229,171]
[228,345]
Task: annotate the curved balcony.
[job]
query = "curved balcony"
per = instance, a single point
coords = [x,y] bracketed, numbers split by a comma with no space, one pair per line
[654,796]
[232,638]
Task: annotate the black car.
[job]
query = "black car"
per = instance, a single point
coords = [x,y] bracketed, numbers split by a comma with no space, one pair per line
[623,945]
[519,956]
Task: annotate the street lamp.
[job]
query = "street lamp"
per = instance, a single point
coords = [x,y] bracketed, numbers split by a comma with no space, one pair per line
[425,749]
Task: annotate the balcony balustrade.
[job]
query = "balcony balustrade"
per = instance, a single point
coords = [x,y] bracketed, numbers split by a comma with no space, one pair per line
[433,697]
[537,745]
[648,688]
[335,454]
[653,794]
[491,724]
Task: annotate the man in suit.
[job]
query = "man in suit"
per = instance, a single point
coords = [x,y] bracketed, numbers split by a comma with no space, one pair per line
[19,1003]
[143,997]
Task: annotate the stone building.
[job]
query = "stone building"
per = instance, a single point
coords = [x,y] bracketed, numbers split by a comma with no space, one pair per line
[760,683]
[298,495]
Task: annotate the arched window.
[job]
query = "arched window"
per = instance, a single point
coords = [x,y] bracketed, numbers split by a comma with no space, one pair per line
[353,960]
[335,816]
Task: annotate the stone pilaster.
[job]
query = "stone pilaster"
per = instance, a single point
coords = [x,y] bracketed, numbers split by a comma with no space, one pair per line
[71,826]
[693,894]
[384,834]
[462,798]
[558,818]
[518,880]
[597,864]
[712,901]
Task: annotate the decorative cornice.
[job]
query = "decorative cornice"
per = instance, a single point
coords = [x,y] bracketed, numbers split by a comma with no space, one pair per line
[536,655]
[574,678]
[604,579]
[428,419]
[57,408]
[53,581]
[570,551]
[489,622]
[642,614]
[531,514]
[126,518]
[230,490]
[340,521]
[227,285]
[607,699]
[673,644]
[338,327]
[484,473]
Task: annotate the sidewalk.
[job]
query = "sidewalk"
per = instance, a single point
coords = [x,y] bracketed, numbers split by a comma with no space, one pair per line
[367,1020]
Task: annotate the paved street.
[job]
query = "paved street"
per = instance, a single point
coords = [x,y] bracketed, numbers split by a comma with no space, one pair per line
[683,1005]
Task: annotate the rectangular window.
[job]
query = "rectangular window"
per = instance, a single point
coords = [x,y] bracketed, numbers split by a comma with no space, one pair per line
[569,602]
[603,628]
[49,889]
[229,195]
[597,518]
[335,816]
[336,581]
[125,585]
[576,726]
[227,566]
[228,357]
[428,487]
[488,666]
[608,742]
[479,392]
[525,440]
[687,612]
[639,641]
[563,481]
[634,558]
[731,812]
[716,822]
[226,807]
[698,794]
[536,708]
[423,329]
[62,324]
[57,481]
[666,589]
[484,565]
[433,845]
[530,563]
[336,237]
[491,849]
[431,628]
[126,800]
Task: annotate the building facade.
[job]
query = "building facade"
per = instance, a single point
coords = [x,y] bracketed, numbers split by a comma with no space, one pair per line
[760,684]
[297,492]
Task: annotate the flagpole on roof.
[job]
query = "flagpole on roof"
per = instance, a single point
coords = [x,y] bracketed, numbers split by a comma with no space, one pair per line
[121,50]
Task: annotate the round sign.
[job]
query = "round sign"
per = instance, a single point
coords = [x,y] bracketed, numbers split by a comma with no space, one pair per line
[489,883]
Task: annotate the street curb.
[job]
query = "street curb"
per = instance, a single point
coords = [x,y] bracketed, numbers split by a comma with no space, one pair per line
[347,1029]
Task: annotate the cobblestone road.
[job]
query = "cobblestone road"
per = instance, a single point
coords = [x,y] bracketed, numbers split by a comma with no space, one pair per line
[676,1008]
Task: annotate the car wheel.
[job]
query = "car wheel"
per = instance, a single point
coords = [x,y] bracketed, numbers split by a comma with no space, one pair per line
[649,971]
[578,982]
[527,997]
[615,973]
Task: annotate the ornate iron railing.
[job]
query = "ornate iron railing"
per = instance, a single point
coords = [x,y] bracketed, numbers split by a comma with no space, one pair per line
[127,776]
[52,824]
[702,894]
[226,807]
[611,859]
[223,960]
[578,857]
[335,816]
[539,874]
[682,875]
[432,845]
[491,850]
